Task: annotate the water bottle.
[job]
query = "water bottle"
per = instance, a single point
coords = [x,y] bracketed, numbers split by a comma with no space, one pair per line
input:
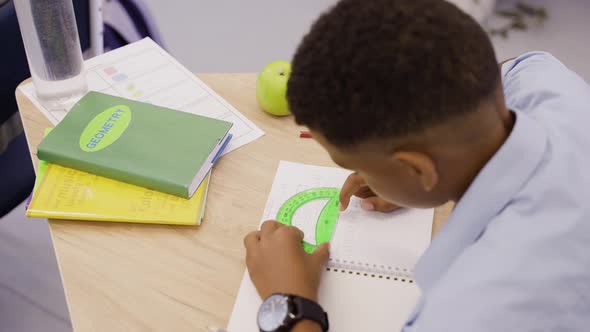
[50,37]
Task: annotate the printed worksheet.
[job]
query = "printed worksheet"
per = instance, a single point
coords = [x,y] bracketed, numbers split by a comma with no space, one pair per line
[143,71]
[307,196]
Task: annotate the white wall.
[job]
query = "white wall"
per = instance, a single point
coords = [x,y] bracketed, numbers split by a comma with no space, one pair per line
[566,34]
[233,35]
[244,35]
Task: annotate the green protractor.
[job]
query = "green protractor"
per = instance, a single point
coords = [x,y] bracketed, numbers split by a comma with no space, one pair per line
[326,220]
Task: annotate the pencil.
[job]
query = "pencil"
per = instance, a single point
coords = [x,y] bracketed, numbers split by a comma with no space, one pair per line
[305,134]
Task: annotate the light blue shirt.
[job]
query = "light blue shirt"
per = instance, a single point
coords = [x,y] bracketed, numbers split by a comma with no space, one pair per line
[515,253]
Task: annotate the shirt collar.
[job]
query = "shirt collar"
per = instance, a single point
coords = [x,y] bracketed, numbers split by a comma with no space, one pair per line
[498,181]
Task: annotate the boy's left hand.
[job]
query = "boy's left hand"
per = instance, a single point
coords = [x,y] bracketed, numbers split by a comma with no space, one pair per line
[277,262]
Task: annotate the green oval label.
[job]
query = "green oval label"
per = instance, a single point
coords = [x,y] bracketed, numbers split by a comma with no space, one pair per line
[105,128]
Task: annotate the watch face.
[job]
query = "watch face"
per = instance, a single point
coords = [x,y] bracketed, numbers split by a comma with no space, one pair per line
[273,312]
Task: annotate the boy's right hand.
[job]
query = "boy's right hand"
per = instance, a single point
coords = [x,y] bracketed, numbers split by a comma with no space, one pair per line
[355,185]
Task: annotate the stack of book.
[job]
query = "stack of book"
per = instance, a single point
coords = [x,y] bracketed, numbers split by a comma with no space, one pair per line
[114,159]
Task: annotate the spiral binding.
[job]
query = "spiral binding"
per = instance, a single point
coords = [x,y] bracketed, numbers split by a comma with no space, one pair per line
[370,270]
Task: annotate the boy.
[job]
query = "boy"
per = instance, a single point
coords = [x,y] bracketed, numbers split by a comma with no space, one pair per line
[409,96]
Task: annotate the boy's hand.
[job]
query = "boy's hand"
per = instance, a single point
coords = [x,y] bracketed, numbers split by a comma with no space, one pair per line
[277,262]
[355,185]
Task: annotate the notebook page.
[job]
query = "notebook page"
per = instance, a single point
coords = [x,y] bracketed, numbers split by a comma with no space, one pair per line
[367,285]
[353,303]
[385,243]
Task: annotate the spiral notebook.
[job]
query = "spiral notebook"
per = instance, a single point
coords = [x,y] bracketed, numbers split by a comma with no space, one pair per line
[368,283]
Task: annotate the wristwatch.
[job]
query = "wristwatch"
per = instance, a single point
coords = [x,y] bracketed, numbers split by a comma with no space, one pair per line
[280,312]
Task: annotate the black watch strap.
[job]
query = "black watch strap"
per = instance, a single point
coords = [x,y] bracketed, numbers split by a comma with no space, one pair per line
[308,309]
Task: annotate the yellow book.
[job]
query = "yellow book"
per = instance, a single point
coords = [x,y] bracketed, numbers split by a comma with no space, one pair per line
[65,193]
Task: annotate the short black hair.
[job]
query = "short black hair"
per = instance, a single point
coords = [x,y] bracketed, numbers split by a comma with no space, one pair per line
[389,68]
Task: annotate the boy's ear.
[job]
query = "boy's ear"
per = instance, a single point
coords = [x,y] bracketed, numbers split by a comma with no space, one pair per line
[419,165]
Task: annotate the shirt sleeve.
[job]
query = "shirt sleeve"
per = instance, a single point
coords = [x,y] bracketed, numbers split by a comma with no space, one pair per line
[518,282]
[537,82]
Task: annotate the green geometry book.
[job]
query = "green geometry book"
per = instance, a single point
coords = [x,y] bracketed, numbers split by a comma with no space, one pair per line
[138,143]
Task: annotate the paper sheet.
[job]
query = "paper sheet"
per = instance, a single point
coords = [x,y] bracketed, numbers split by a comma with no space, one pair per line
[353,303]
[385,243]
[143,71]
[381,242]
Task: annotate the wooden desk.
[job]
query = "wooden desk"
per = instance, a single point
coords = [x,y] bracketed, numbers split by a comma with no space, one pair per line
[126,277]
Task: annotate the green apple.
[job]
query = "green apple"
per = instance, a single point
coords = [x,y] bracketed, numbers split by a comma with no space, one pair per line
[271,87]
